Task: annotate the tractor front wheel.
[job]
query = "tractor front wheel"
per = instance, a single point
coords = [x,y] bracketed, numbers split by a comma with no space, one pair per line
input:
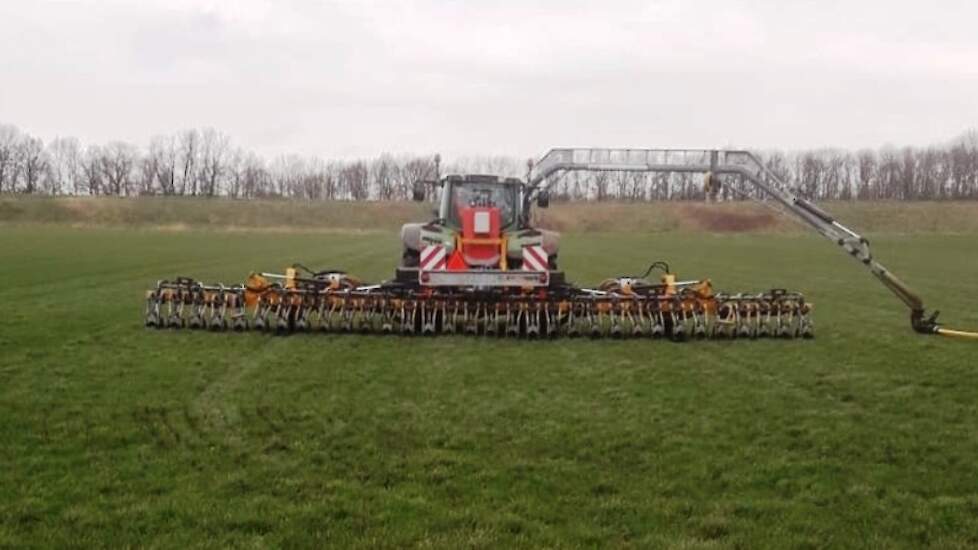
[410,258]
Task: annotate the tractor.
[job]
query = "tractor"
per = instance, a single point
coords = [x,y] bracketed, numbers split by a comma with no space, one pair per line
[482,223]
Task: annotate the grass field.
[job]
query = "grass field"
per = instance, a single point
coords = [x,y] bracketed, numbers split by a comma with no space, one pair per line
[114,435]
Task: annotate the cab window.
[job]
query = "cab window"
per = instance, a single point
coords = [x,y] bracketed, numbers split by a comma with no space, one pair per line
[466,195]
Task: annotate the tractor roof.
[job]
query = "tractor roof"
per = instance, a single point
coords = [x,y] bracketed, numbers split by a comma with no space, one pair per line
[481,178]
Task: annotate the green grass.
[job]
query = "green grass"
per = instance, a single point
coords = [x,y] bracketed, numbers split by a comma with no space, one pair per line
[114,435]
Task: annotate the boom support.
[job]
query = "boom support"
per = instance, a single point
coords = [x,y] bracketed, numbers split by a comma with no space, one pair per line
[747,166]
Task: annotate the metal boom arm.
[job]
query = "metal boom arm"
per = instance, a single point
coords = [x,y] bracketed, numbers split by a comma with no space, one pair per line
[716,162]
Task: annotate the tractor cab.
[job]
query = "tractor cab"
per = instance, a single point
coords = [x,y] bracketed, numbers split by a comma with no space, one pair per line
[461,194]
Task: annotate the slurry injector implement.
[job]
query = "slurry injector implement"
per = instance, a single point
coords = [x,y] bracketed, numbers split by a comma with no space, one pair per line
[480,268]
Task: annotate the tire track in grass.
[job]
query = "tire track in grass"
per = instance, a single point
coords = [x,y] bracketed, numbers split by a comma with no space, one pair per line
[211,417]
[221,420]
[212,405]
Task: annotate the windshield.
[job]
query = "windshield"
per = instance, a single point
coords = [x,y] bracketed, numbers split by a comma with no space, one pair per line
[502,197]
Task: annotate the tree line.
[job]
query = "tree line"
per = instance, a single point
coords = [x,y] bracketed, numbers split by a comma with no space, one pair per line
[206,163]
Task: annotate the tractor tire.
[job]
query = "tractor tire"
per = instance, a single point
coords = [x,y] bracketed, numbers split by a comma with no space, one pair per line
[410,258]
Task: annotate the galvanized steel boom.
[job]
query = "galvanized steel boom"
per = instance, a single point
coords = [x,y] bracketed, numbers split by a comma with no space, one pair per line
[745,165]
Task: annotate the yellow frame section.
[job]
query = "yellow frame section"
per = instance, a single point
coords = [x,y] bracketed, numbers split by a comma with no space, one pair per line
[503,243]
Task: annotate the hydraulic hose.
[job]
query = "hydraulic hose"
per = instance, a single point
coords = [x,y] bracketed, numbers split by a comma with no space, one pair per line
[963,334]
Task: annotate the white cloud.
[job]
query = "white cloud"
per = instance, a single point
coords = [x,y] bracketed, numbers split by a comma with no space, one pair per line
[359,77]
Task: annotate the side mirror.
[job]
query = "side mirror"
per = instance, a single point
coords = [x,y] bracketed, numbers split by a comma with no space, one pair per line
[543,199]
[417,192]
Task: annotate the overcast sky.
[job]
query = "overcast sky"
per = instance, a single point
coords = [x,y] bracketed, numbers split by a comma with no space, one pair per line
[350,78]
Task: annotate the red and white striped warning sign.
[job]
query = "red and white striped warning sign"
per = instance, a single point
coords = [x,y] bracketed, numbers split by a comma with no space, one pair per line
[535,258]
[432,257]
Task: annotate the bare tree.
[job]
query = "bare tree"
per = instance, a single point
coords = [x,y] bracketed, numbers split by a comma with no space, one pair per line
[287,173]
[811,176]
[310,179]
[354,180]
[187,148]
[889,174]
[600,186]
[929,173]
[117,162]
[148,168]
[622,181]
[416,169]
[331,180]
[964,166]
[92,170]
[661,185]
[202,162]
[214,148]
[579,186]
[33,162]
[10,138]
[684,182]
[638,186]
[161,159]
[235,173]
[382,177]
[321,179]
[64,172]
[868,170]
[255,180]
[847,171]
[402,183]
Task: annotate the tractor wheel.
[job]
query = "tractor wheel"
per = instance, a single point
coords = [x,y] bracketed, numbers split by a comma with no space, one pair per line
[410,258]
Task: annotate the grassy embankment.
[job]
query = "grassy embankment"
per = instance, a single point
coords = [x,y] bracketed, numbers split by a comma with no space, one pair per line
[280,215]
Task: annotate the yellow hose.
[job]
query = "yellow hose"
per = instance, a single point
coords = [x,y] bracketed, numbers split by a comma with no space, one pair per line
[958,334]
